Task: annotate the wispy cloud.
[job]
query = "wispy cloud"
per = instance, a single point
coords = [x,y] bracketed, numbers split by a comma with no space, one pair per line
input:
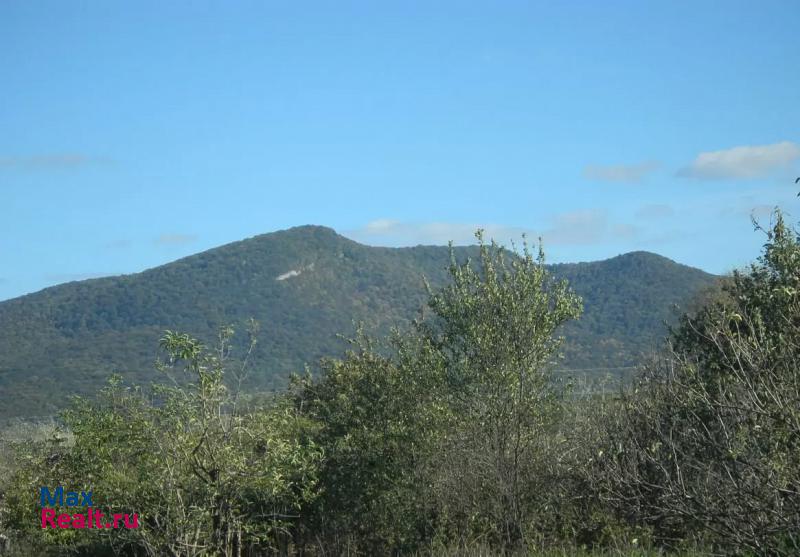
[655,211]
[51,161]
[626,173]
[586,227]
[575,228]
[397,233]
[175,239]
[744,162]
[117,244]
[69,277]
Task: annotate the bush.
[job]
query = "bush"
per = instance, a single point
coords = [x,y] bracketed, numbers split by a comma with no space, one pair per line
[203,476]
[706,449]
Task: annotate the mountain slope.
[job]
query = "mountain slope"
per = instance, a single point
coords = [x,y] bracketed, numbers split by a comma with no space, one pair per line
[304,285]
[627,301]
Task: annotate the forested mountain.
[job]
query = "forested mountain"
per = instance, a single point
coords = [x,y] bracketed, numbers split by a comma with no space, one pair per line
[304,286]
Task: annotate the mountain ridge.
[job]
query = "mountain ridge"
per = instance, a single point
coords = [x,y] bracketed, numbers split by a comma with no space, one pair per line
[304,284]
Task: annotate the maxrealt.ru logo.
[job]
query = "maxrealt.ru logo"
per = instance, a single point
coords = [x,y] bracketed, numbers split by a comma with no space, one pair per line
[91,519]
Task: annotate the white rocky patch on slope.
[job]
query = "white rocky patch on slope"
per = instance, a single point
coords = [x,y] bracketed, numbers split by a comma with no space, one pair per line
[290,274]
[294,272]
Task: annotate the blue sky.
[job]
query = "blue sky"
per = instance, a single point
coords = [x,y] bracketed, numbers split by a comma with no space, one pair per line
[135,133]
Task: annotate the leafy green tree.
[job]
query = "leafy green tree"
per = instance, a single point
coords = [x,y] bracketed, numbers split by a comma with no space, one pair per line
[443,432]
[496,328]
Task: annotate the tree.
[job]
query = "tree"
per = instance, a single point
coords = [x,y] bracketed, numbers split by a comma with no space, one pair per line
[495,328]
[446,431]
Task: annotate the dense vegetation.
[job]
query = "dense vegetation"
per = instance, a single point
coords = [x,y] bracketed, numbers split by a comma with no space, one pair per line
[69,338]
[452,436]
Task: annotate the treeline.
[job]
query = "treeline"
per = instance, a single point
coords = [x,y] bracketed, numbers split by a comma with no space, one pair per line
[452,436]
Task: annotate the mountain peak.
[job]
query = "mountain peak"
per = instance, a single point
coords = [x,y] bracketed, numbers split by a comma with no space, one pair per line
[306,232]
[313,229]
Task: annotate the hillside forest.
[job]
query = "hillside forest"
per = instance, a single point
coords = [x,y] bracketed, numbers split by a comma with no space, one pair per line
[307,287]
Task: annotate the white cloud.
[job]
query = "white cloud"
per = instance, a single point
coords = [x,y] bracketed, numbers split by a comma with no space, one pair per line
[744,162]
[381,226]
[575,228]
[397,233]
[629,173]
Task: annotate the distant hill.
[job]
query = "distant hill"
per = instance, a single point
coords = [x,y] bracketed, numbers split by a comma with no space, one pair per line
[304,285]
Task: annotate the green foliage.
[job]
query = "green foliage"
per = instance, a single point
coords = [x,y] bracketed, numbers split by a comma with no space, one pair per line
[379,419]
[204,477]
[707,449]
[495,327]
[69,338]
